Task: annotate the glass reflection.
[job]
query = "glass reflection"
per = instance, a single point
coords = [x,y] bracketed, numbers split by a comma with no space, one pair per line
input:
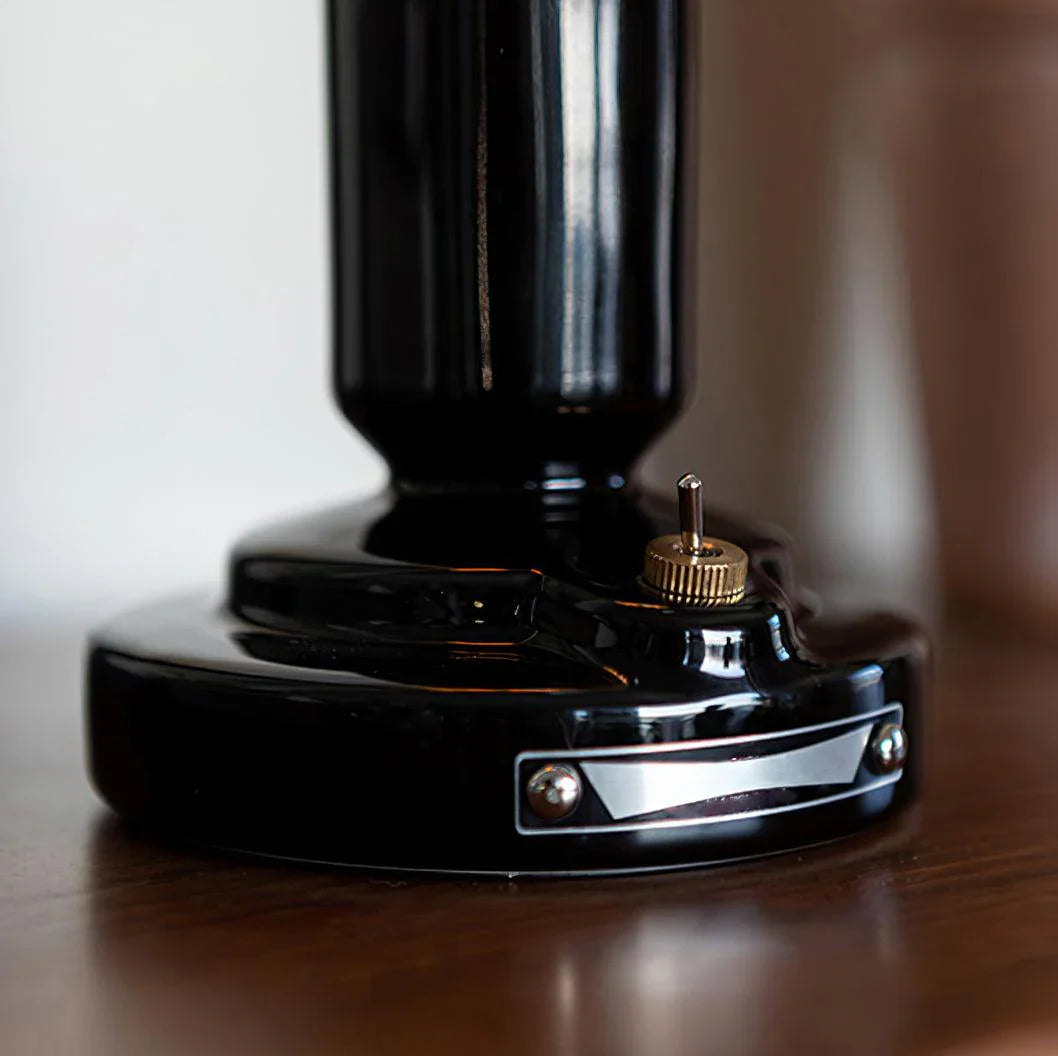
[716,653]
[591,193]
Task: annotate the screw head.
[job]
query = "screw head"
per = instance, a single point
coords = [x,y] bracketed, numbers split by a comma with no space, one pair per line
[889,748]
[553,791]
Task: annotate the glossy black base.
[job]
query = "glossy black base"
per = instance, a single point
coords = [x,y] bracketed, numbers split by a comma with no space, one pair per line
[352,706]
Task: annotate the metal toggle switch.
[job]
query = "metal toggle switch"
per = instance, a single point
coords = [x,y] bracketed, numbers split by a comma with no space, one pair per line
[692,568]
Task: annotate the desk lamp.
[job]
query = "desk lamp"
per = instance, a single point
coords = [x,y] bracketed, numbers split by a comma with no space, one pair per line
[513,661]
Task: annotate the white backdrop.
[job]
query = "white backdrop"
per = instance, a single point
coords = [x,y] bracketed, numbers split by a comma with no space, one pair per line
[163,294]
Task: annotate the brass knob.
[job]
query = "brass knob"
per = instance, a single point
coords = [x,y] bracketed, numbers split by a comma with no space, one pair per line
[692,568]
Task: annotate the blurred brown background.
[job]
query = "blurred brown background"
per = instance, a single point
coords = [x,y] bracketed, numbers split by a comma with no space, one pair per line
[878,315]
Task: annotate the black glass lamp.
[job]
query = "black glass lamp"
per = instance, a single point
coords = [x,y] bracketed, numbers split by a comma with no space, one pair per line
[512,661]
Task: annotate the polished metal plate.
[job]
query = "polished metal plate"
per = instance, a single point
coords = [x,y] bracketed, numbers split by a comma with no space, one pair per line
[712,781]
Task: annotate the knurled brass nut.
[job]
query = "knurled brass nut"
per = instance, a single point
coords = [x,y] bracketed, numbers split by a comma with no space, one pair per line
[714,575]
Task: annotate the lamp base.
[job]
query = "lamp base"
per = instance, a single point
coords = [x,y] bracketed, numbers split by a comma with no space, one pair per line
[480,684]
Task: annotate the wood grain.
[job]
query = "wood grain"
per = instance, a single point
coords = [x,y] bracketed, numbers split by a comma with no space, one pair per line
[938,934]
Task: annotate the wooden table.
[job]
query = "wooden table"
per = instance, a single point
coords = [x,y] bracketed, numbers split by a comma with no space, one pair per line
[936,934]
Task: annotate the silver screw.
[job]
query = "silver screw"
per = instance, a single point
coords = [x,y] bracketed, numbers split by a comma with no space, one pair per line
[889,748]
[553,791]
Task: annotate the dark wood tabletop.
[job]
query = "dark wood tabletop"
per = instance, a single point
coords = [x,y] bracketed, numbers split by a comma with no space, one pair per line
[935,934]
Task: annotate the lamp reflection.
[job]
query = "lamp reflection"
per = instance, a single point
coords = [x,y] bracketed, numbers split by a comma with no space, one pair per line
[258,957]
[695,977]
